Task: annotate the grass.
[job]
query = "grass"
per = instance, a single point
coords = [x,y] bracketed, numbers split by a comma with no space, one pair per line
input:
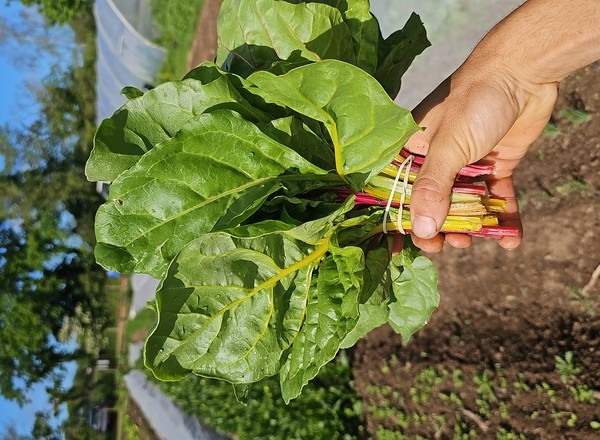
[176,22]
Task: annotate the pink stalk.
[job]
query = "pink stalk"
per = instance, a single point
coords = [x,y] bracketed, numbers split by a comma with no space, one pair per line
[471,170]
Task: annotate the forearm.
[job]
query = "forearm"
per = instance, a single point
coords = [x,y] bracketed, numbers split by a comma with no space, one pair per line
[543,41]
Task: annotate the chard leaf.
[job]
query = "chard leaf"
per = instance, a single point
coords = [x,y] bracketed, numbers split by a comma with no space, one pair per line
[156,116]
[293,133]
[398,51]
[366,127]
[331,314]
[255,34]
[294,210]
[229,306]
[414,292]
[363,28]
[131,92]
[213,174]
[374,297]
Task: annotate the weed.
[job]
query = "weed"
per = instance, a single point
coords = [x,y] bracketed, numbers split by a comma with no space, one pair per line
[583,394]
[594,424]
[505,434]
[572,420]
[462,430]
[551,130]
[566,367]
[541,154]
[574,116]
[584,300]
[457,378]
[571,186]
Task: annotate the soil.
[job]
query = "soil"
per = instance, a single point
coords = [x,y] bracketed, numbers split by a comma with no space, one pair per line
[489,363]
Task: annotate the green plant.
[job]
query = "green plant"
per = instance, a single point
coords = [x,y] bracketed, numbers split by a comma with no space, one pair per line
[582,393]
[574,116]
[327,409]
[255,189]
[176,23]
[570,186]
[566,367]
[551,130]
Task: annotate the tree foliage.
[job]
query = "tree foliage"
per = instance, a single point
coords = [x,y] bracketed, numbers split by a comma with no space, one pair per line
[50,287]
[60,11]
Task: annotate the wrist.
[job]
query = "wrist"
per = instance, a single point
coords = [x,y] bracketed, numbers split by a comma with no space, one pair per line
[543,41]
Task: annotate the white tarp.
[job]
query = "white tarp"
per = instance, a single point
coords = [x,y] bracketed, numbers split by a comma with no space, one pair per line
[454,27]
[126,56]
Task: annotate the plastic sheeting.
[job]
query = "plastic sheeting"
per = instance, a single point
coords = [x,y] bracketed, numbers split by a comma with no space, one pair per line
[454,27]
[126,56]
[167,420]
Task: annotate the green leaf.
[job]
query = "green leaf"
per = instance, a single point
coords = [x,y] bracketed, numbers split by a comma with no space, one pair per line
[366,127]
[229,306]
[397,53]
[293,133]
[415,294]
[363,27]
[374,297]
[255,34]
[213,174]
[156,116]
[131,92]
[331,314]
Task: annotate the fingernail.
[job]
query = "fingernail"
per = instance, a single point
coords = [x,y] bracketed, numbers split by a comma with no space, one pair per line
[424,227]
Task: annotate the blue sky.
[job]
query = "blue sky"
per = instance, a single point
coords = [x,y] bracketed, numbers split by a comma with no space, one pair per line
[17,105]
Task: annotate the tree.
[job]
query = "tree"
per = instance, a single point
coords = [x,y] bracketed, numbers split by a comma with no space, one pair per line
[60,11]
[42,429]
[50,286]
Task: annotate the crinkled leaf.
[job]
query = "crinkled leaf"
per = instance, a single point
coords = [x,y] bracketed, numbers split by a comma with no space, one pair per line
[331,314]
[255,34]
[398,51]
[156,116]
[414,293]
[208,72]
[374,297]
[229,306]
[366,127]
[214,173]
[363,28]
[294,210]
[293,133]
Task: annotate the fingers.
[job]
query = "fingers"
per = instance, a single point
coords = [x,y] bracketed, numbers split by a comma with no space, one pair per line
[504,189]
[431,245]
[430,196]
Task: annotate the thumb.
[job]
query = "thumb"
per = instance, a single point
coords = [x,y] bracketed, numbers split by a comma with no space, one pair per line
[430,196]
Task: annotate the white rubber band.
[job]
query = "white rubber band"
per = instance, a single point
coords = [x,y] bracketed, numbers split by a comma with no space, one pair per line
[405,165]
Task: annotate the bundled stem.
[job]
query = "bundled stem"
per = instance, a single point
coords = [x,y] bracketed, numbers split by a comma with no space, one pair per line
[472,210]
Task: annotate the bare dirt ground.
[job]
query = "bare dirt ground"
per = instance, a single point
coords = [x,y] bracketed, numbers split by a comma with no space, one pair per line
[489,363]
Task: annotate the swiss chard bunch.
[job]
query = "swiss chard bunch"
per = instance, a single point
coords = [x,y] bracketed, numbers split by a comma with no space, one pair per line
[253,189]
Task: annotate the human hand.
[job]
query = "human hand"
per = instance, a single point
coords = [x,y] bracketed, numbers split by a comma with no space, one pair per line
[481,112]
